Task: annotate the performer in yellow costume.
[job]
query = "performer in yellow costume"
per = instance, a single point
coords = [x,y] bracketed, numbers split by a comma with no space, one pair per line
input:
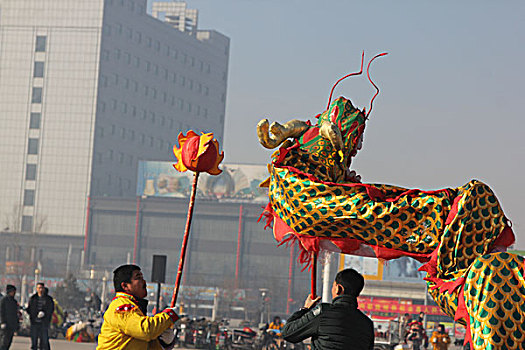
[126,325]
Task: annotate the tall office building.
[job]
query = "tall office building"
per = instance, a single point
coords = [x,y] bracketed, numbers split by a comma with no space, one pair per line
[87,89]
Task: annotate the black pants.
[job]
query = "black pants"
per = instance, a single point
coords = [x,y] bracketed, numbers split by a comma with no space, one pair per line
[6,337]
[39,336]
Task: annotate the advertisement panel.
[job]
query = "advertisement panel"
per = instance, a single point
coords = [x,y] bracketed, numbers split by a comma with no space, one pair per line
[370,268]
[237,182]
[399,270]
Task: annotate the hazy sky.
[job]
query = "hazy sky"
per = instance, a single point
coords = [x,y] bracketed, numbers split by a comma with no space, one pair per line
[452,93]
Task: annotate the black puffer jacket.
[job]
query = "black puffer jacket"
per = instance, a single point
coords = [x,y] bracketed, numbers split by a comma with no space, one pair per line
[48,308]
[336,326]
[9,312]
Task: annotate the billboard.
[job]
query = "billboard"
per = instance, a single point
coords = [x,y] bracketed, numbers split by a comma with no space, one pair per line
[237,182]
[403,269]
[370,268]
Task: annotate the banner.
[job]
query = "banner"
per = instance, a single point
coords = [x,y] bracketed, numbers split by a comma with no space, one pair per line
[375,304]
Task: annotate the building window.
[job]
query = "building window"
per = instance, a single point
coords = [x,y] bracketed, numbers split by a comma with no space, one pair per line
[102,106]
[40,43]
[38,72]
[106,30]
[100,131]
[29,197]
[34,121]
[32,146]
[36,96]
[27,223]
[31,172]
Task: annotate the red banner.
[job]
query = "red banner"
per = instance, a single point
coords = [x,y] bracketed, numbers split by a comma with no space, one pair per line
[396,306]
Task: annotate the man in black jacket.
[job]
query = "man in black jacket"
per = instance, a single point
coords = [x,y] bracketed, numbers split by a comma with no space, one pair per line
[40,309]
[339,325]
[8,317]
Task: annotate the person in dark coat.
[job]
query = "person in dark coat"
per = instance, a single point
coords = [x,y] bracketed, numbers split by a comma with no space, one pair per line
[8,317]
[339,325]
[40,309]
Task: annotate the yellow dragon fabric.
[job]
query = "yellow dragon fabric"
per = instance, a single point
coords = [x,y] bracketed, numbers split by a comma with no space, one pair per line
[453,230]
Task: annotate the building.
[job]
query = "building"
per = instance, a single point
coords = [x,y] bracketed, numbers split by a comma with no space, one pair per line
[87,90]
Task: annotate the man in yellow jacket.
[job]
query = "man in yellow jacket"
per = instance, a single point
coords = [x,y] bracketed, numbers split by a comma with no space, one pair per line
[440,339]
[126,325]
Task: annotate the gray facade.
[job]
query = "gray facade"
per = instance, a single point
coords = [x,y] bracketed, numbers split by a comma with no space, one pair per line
[212,258]
[87,89]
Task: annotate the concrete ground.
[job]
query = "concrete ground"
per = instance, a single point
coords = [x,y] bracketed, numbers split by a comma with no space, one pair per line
[24,343]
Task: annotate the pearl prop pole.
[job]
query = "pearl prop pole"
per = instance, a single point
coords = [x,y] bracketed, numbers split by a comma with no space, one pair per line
[198,153]
[185,240]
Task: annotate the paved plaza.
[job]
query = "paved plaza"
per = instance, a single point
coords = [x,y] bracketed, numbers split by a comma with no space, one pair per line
[24,343]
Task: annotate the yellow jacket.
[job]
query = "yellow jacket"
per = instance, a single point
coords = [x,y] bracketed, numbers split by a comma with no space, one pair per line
[126,327]
[440,341]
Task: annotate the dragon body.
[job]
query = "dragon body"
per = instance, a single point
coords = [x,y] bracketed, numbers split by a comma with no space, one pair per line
[458,233]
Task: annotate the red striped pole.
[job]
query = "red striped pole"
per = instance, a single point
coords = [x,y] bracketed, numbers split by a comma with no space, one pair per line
[314,275]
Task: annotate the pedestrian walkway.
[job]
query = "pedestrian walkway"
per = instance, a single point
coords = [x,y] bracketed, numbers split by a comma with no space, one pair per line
[24,343]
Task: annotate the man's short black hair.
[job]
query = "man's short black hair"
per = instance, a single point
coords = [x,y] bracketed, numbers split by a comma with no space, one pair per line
[40,284]
[351,281]
[121,274]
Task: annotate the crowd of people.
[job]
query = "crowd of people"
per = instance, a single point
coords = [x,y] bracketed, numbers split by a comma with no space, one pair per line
[336,325]
[413,336]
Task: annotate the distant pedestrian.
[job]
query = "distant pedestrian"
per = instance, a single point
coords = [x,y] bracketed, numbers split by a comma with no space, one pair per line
[8,317]
[440,339]
[94,302]
[40,310]
[403,326]
[416,336]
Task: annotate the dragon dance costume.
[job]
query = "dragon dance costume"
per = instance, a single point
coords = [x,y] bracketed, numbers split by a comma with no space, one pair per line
[454,231]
